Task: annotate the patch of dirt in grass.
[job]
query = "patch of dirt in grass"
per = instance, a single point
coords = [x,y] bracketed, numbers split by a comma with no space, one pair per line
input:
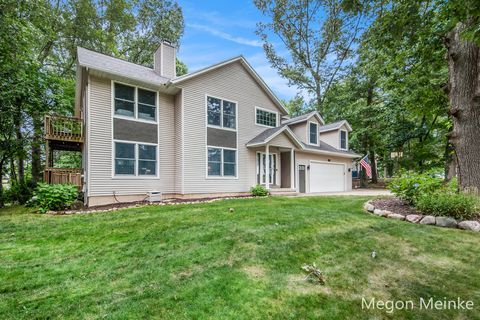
[395,205]
[297,284]
[254,271]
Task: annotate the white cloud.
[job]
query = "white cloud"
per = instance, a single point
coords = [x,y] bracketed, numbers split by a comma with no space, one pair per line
[226,36]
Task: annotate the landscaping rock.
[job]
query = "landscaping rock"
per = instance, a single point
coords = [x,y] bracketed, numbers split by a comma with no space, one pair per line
[446,222]
[414,218]
[396,216]
[430,220]
[470,225]
[379,212]
[369,207]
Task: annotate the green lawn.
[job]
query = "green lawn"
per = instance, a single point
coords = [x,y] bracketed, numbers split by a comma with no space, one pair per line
[203,262]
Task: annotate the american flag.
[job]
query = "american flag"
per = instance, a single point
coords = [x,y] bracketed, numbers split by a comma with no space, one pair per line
[366,164]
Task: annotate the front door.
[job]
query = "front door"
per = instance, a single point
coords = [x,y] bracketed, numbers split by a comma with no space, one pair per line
[301,178]
[261,168]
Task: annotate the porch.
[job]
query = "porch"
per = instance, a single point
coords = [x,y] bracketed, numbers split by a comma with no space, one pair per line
[63,134]
[275,159]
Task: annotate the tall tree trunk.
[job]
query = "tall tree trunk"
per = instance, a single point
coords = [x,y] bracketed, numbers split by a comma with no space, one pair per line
[2,200]
[36,149]
[373,164]
[464,96]
[450,162]
[20,151]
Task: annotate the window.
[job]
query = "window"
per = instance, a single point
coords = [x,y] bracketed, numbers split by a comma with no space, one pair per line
[134,102]
[146,105]
[265,118]
[147,160]
[222,162]
[221,113]
[124,158]
[343,139]
[313,135]
[135,159]
[124,100]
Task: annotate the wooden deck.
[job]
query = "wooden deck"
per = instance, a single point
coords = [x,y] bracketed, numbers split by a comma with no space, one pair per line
[63,129]
[63,176]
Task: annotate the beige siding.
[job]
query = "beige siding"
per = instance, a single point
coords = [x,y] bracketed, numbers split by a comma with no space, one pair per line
[282,141]
[333,137]
[231,82]
[178,122]
[305,158]
[100,146]
[300,131]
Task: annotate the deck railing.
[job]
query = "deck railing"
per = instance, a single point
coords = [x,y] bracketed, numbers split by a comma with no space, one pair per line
[63,128]
[63,175]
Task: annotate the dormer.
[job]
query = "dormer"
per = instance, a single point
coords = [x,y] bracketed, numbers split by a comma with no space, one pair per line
[336,134]
[306,127]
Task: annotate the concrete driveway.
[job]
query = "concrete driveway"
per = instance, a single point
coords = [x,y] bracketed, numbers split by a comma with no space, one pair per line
[354,192]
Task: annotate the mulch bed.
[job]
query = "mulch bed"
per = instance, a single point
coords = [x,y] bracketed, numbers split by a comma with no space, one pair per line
[121,205]
[395,205]
[399,206]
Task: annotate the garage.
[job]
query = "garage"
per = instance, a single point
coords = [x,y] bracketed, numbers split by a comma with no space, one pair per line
[327,177]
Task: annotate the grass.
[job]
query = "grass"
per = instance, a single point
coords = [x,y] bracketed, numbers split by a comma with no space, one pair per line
[203,262]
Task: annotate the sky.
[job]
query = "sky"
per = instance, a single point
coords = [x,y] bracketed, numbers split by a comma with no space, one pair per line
[219,30]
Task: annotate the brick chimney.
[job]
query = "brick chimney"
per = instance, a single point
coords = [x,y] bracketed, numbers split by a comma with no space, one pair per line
[164,60]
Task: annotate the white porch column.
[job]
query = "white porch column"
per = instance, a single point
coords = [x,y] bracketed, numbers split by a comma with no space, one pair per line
[267,167]
[292,169]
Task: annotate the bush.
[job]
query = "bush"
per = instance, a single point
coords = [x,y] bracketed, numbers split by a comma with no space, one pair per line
[18,193]
[259,191]
[410,185]
[447,203]
[55,196]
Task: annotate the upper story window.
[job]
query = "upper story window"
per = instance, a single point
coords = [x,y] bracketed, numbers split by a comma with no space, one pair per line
[313,133]
[343,140]
[265,118]
[134,102]
[221,113]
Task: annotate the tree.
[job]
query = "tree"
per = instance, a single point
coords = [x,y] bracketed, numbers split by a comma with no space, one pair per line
[296,106]
[319,37]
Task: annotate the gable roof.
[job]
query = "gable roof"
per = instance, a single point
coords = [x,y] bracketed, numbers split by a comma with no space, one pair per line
[249,69]
[304,117]
[118,67]
[335,126]
[267,135]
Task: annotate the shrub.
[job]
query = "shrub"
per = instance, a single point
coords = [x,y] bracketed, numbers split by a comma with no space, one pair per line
[447,203]
[259,191]
[410,185]
[18,192]
[55,196]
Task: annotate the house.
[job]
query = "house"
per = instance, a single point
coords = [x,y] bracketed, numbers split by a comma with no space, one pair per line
[217,131]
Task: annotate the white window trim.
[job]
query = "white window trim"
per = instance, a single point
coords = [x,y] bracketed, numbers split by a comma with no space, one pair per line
[135,176]
[135,105]
[340,140]
[267,110]
[277,165]
[221,177]
[221,113]
[308,134]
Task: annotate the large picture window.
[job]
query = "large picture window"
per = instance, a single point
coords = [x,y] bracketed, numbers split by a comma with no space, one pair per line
[313,133]
[222,162]
[134,102]
[265,118]
[222,113]
[133,159]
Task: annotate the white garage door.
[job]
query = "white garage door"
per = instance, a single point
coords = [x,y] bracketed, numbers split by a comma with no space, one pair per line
[327,177]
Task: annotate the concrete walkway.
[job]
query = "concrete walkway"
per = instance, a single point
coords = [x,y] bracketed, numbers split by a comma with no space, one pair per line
[354,192]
